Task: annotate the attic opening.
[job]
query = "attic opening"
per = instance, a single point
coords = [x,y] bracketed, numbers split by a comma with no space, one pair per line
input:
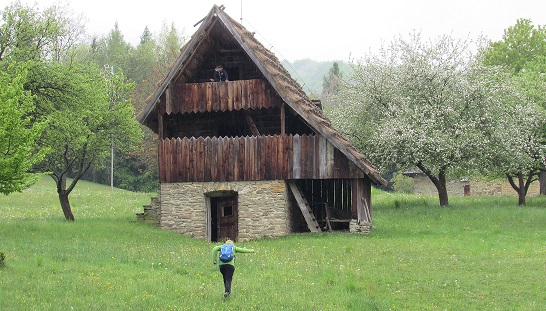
[237,123]
[221,48]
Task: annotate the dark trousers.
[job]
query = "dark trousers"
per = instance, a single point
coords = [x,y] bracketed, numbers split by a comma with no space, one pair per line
[227,272]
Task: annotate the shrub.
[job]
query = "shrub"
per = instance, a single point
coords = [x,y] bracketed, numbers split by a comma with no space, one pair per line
[402,183]
[2,259]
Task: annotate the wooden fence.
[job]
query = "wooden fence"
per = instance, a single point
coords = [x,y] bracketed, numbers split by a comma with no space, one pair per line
[252,158]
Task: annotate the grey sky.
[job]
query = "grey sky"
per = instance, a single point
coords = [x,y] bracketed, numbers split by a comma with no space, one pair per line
[319,30]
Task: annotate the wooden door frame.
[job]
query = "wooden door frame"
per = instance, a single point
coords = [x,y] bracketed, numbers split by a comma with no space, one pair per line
[208,207]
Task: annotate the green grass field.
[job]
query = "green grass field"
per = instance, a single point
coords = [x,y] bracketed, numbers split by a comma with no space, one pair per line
[482,253]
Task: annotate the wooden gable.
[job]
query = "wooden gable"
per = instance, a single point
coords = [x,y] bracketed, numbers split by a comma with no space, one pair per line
[259,125]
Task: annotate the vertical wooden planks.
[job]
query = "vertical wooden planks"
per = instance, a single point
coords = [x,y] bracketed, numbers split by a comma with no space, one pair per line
[209,96]
[218,96]
[288,161]
[229,95]
[214,159]
[220,175]
[240,159]
[296,157]
[227,165]
[200,159]
[160,160]
[191,165]
[254,158]
[178,166]
[207,176]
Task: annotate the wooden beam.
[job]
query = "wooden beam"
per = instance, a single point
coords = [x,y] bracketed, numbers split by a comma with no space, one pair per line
[327,208]
[283,120]
[312,223]
[361,198]
[160,126]
[251,123]
[169,99]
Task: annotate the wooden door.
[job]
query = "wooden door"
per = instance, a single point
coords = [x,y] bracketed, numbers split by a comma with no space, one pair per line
[227,218]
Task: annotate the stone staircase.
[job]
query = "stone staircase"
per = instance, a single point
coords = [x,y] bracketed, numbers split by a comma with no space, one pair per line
[151,212]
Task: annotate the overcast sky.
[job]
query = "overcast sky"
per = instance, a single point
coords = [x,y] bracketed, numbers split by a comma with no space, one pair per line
[319,30]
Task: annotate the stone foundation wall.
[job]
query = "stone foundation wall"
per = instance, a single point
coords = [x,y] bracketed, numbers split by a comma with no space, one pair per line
[363,227]
[262,207]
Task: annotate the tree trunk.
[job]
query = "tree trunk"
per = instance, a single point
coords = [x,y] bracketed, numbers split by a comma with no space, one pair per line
[520,188]
[438,181]
[442,195]
[442,190]
[542,181]
[63,197]
[65,204]
[521,197]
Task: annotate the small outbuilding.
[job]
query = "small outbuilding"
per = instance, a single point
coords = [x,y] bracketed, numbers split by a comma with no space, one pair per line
[252,156]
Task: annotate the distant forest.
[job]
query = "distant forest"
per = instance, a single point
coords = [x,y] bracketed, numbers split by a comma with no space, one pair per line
[310,73]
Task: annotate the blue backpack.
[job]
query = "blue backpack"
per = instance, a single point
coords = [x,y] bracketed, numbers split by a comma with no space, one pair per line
[226,253]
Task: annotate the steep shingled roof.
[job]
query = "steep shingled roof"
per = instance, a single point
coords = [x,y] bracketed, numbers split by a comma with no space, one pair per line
[279,78]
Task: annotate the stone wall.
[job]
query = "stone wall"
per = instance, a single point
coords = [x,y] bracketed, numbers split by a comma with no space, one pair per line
[423,185]
[500,187]
[263,208]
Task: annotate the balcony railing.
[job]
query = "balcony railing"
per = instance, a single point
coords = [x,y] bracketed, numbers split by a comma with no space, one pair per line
[219,96]
[252,158]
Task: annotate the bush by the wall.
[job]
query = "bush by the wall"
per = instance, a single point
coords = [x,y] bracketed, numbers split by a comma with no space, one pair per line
[402,183]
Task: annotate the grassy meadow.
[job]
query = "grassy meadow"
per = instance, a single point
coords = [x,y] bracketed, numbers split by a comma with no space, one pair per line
[480,253]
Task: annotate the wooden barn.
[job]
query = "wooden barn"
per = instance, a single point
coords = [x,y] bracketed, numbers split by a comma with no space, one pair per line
[253,156]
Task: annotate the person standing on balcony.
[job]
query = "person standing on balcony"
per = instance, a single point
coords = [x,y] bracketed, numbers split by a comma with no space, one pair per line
[220,74]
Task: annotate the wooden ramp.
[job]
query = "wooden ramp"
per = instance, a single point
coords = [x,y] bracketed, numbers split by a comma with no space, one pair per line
[312,223]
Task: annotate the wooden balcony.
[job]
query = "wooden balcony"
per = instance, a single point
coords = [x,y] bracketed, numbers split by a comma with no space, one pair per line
[276,157]
[219,96]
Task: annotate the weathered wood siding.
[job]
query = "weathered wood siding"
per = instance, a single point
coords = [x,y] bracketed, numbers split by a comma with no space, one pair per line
[252,158]
[218,96]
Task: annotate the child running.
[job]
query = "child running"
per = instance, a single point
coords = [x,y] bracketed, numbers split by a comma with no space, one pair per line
[226,262]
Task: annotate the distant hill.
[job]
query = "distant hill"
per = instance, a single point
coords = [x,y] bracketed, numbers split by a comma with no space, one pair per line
[310,73]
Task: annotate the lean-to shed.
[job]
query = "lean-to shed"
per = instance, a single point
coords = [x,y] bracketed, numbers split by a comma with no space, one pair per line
[253,156]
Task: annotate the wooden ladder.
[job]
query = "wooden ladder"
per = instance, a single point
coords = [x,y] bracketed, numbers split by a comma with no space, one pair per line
[312,223]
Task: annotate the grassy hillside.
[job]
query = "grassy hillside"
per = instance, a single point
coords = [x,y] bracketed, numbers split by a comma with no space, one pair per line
[478,254]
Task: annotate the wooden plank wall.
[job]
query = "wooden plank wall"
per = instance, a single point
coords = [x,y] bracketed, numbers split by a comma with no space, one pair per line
[252,158]
[219,96]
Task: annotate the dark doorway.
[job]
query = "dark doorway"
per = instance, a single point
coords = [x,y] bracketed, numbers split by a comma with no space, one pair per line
[223,218]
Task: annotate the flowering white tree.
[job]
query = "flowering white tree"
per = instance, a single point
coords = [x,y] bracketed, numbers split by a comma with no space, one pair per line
[517,143]
[422,104]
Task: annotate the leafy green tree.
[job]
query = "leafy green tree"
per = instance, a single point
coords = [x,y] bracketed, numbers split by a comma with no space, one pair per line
[522,53]
[146,36]
[86,112]
[332,82]
[114,51]
[18,134]
[169,43]
[91,114]
[424,105]
[521,47]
